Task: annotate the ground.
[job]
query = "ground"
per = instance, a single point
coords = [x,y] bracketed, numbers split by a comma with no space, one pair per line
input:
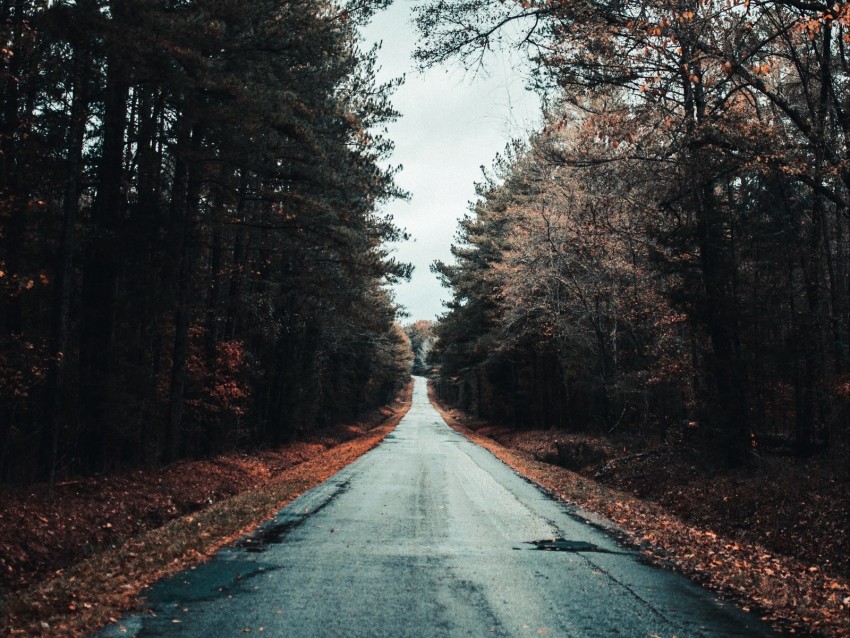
[796,507]
[76,557]
[773,537]
[43,530]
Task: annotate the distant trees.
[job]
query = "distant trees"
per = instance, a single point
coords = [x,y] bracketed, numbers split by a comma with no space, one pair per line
[421,338]
[191,254]
[675,244]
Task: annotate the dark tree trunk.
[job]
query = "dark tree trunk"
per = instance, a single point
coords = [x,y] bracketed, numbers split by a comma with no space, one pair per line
[720,316]
[235,292]
[15,200]
[101,267]
[64,272]
[185,298]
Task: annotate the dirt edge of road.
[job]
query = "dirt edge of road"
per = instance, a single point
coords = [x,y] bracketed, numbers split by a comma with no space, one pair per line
[793,597]
[108,583]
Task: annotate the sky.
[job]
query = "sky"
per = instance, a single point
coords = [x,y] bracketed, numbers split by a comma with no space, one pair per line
[452,124]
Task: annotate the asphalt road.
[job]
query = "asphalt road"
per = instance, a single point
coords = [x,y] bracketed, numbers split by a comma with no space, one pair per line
[430,535]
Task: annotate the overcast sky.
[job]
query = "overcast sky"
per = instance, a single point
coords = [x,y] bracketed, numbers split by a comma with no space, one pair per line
[452,123]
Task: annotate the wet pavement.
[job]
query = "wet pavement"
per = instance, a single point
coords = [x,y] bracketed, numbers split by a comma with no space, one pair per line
[430,535]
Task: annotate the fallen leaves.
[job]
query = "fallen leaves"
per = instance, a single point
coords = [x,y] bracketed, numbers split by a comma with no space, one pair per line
[111,577]
[789,592]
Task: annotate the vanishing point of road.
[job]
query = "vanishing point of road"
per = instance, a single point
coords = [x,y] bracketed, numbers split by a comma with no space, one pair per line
[430,535]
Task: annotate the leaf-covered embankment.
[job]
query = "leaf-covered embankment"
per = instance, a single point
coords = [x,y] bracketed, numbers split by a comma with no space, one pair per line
[794,595]
[206,503]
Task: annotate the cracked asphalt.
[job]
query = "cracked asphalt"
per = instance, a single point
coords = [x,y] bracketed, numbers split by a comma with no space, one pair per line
[430,535]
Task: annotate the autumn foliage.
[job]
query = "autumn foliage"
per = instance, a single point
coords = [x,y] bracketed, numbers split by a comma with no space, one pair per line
[670,251]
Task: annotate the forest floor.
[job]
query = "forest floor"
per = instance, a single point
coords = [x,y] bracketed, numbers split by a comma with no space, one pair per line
[774,538]
[75,558]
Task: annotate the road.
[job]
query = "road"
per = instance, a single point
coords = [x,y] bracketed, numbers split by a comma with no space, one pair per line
[430,535]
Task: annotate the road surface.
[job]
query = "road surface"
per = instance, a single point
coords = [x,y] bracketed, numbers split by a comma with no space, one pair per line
[430,535]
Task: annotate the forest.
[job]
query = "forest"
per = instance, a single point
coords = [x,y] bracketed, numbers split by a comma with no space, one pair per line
[193,255]
[649,319]
[671,252]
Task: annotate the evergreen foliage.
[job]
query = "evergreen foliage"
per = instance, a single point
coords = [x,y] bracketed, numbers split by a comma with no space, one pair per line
[421,335]
[192,258]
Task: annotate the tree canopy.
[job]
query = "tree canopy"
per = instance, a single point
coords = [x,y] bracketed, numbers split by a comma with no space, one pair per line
[673,246]
[193,254]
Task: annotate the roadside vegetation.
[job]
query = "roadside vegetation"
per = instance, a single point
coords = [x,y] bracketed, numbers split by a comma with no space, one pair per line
[81,555]
[673,246]
[743,535]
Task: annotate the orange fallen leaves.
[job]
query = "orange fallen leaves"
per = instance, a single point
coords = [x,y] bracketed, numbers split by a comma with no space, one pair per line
[113,576]
[794,596]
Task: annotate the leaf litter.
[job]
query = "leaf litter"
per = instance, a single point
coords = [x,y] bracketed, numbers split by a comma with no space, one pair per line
[730,532]
[77,558]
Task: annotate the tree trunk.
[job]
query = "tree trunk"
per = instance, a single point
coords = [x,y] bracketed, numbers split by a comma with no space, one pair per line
[726,369]
[101,268]
[235,291]
[64,275]
[15,200]
[184,298]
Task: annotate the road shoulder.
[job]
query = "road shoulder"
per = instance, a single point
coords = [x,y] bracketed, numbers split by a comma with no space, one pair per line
[792,596]
[87,595]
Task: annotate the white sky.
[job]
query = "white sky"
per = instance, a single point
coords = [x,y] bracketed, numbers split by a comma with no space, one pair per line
[452,123]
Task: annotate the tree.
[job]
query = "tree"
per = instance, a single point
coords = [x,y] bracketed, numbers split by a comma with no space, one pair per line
[731,113]
[420,334]
[204,259]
